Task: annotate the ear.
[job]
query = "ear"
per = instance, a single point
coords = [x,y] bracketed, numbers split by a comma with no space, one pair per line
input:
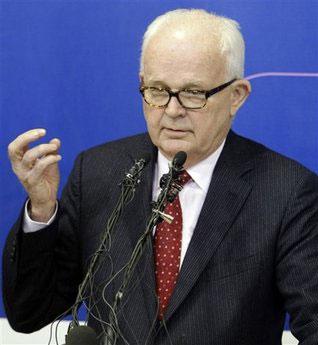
[240,91]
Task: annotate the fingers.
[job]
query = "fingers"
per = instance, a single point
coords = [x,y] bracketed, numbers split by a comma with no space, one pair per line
[23,159]
[31,156]
[56,141]
[41,165]
[36,167]
[18,146]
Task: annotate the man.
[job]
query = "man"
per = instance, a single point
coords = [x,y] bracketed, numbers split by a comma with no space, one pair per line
[249,241]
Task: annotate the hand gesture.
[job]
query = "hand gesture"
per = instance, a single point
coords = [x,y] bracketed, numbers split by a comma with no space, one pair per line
[37,169]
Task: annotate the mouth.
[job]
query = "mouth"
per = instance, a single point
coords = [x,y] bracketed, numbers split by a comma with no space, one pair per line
[172,131]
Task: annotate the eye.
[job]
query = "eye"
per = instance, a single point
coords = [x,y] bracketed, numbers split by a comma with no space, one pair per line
[157,91]
[156,88]
[194,92]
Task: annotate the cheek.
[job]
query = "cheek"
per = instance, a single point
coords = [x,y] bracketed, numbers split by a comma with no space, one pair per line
[208,126]
[203,123]
[153,118]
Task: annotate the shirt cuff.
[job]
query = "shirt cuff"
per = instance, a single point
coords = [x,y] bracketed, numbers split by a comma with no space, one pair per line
[30,225]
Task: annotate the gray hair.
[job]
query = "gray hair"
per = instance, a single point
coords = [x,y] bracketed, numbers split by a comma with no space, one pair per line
[227,32]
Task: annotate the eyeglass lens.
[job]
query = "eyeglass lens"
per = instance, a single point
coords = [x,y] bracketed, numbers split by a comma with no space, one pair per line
[160,97]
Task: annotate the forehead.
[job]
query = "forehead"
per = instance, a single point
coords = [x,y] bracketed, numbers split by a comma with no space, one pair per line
[182,58]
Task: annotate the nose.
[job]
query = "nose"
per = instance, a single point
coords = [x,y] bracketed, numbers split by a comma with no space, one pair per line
[174,108]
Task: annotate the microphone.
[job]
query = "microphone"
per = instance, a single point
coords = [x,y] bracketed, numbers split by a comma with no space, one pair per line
[128,187]
[178,160]
[175,167]
[169,181]
[133,175]
[81,335]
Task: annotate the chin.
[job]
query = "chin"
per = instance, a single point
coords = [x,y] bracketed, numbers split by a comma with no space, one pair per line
[170,147]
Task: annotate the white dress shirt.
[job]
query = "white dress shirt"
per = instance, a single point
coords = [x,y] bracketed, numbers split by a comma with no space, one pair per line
[30,225]
[191,197]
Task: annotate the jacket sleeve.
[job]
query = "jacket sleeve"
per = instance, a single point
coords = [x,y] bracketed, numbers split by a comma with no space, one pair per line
[297,260]
[42,270]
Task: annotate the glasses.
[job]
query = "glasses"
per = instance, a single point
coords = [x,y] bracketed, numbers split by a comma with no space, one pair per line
[189,99]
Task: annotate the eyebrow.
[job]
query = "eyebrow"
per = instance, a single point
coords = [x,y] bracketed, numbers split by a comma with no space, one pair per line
[192,84]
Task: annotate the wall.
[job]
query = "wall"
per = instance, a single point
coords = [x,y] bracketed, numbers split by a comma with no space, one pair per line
[72,68]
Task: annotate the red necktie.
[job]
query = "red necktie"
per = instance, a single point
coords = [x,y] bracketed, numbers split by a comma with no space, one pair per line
[167,250]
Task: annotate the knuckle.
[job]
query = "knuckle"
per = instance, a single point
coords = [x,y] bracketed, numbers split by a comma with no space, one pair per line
[40,164]
[27,158]
[42,147]
[38,150]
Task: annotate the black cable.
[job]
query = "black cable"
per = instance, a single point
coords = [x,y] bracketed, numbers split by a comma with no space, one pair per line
[167,183]
[128,187]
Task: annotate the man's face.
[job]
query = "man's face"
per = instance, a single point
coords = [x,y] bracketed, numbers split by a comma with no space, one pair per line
[185,63]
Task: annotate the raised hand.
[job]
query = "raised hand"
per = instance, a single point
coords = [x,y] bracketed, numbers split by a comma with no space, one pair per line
[37,169]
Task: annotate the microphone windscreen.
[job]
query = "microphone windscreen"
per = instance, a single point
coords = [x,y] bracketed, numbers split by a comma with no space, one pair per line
[179,159]
[81,335]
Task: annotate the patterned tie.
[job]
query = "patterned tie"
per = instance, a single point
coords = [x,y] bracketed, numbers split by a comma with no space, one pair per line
[167,250]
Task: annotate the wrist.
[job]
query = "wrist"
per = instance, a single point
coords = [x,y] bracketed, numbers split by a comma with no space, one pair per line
[41,213]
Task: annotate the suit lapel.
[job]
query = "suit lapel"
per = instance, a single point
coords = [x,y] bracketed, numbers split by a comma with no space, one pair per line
[225,198]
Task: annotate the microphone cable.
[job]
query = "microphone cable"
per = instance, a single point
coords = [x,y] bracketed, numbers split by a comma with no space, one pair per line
[128,188]
[169,190]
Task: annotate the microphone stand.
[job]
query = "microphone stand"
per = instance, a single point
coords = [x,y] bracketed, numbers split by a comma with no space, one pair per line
[128,187]
[169,190]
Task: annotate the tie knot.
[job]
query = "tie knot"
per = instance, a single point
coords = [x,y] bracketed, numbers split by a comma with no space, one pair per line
[184,177]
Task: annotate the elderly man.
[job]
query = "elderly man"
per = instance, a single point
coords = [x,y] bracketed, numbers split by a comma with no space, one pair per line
[242,248]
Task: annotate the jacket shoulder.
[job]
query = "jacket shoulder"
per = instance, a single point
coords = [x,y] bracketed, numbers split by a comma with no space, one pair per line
[108,161]
[266,158]
[128,145]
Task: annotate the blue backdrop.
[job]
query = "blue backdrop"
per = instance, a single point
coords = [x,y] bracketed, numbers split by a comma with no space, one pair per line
[72,68]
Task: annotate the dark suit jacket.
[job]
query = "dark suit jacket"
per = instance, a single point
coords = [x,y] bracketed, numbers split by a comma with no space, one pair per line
[253,255]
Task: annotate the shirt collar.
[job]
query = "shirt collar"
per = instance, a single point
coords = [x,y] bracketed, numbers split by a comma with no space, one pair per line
[201,173]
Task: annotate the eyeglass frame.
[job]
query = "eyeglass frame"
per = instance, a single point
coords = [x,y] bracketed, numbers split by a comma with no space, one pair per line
[207,94]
